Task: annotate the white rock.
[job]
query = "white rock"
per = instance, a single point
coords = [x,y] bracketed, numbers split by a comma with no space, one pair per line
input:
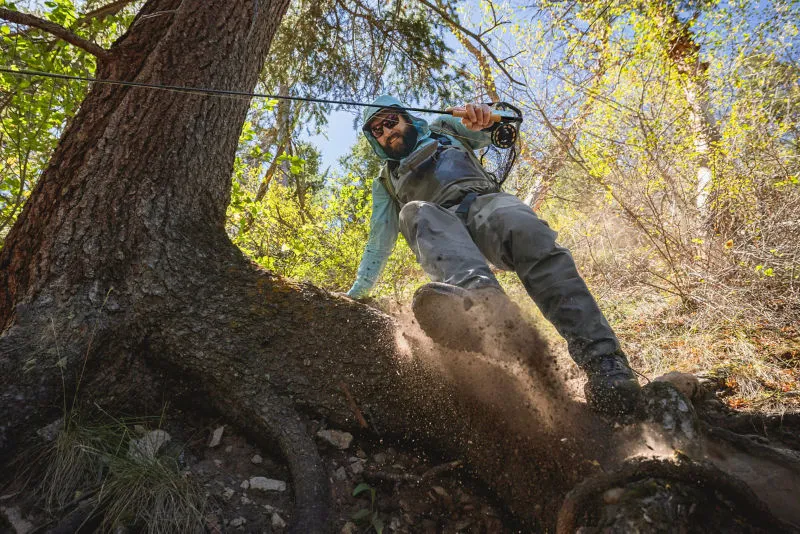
[357,467]
[278,522]
[349,528]
[245,485]
[256,459]
[267,484]
[18,523]
[227,493]
[216,437]
[229,448]
[147,447]
[238,522]
[340,440]
[49,432]
[340,474]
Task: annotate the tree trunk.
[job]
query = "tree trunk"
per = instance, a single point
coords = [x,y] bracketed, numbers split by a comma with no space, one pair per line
[684,53]
[120,265]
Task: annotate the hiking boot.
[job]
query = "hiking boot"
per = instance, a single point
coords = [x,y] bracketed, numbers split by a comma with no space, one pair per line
[447,314]
[612,388]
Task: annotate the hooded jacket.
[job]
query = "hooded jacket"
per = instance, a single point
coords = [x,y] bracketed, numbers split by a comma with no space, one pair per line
[384,223]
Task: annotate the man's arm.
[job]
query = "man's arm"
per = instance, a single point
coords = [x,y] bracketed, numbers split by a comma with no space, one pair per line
[383,230]
[469,130]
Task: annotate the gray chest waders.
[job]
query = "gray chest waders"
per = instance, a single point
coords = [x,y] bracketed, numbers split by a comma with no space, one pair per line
[439,172]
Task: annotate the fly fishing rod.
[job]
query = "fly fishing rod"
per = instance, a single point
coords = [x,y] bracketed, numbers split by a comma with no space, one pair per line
[505,117]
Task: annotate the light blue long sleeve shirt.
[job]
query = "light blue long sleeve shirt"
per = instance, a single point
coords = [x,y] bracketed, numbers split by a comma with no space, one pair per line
[384,225]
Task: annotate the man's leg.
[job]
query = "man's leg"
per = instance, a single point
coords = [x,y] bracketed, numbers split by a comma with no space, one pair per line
[445,308]
[511,236]
[444,247]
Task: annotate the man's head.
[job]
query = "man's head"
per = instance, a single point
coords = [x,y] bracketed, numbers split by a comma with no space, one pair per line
[392,130]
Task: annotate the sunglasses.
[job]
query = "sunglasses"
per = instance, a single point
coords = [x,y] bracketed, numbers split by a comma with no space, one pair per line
[390,121]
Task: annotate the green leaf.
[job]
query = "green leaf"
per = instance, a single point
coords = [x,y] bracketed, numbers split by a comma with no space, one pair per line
[377,523]
[362,514]
[361,488]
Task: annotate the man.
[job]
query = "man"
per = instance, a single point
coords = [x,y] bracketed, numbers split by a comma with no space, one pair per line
[451,212]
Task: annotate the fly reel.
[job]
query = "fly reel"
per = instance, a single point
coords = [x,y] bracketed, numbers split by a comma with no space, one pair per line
[505,132]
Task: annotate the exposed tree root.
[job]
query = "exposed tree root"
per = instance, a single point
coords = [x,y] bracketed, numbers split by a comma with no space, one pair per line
[582,500]
[752,446]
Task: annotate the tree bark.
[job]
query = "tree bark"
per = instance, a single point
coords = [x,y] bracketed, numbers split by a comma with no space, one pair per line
[684,53]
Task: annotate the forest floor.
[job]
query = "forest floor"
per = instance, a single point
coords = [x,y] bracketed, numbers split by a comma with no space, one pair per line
[749,376]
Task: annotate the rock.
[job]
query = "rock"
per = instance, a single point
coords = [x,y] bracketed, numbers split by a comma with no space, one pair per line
[443,495]
[613,495]
[216,437]
[140,429]
[267,484]
[357,467]
[340,440]
[379,458]
[147,447]
[278,522]
[218,462]
[256,459]
[229,448]
[463,524]
[245,485]
[14,517]
[349,528]
[238,522]
[227,493]
[340,474]
[50,432]
[440,491]
[394,524]
[686,383]
[669,414]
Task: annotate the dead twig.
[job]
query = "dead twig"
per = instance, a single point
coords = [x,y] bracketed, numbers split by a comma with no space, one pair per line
[411,477]
[353,406]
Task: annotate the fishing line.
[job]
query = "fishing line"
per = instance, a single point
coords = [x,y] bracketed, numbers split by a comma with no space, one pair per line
[503,132]
[217,92]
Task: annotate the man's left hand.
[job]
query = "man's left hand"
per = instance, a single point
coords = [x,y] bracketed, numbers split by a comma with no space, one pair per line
[479,116]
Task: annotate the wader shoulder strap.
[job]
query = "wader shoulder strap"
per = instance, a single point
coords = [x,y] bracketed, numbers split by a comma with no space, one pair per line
[386,180]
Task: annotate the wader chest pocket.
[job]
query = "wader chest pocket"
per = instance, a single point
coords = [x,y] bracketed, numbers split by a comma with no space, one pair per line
[409,177]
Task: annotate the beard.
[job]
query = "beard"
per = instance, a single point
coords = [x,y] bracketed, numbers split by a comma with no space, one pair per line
[401,144]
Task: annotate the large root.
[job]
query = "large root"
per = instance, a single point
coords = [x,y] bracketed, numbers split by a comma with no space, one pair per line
[646,495]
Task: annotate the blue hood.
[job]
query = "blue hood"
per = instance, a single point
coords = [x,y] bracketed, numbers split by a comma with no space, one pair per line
[386,101]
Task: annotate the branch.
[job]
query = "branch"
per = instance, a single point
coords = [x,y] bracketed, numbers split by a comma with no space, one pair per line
[480,41]
[54,29]
[101,12]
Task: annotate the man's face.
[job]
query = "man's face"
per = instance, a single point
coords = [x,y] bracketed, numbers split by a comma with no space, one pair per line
[393,132]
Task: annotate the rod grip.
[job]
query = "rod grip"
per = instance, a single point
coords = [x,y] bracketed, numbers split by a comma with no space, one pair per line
[461,113]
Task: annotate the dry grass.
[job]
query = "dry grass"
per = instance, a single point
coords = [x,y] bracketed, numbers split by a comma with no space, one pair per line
[756,362]
[151,495]
[753,355]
